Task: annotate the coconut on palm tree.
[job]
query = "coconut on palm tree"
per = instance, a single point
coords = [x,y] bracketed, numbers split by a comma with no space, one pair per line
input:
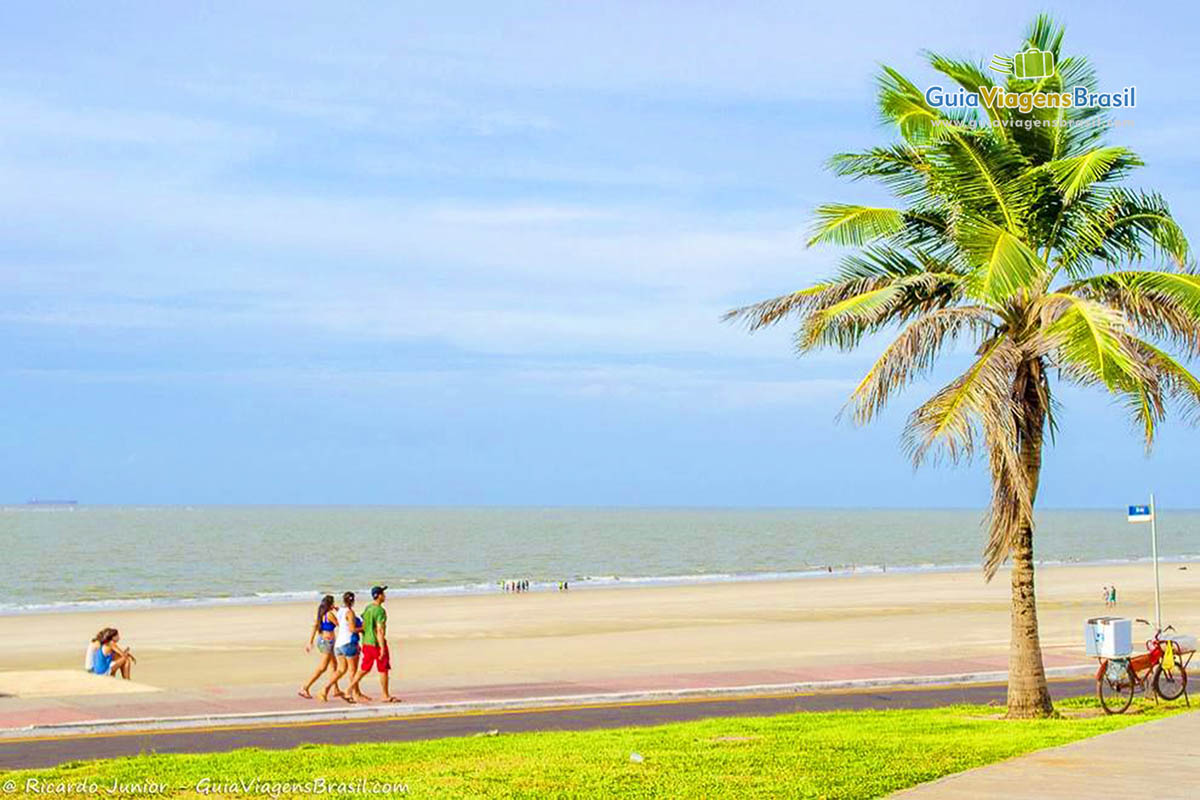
[1013,231]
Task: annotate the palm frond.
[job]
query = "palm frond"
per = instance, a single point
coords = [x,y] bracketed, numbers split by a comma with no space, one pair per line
[972,77]
[1124,226]
[1180,384]
[845,224]
[949,424]
[844,324]
[768,312]
[1091,340]
[1165,305]
[1045,34]
[1076,174]
[982,174]
[1002,264]
[979,408]
[903,104]
[912,353]
[902,168]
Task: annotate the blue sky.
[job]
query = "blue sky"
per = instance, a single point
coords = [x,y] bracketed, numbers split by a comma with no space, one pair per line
[467,254]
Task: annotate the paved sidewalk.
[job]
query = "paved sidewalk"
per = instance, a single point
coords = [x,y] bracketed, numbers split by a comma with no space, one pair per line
[17,713]
[1159,759]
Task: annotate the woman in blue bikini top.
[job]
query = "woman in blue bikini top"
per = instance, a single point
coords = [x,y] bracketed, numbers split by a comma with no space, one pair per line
[323,631]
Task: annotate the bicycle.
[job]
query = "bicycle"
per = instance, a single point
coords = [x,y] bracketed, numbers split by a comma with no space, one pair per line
[1163,668]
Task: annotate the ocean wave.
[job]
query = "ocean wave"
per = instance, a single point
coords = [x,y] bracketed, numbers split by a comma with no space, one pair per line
[579,582]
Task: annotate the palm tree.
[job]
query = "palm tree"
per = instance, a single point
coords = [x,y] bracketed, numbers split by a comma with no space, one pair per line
[1012,231]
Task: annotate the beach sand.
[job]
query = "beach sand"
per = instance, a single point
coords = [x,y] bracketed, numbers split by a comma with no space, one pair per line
[448,641]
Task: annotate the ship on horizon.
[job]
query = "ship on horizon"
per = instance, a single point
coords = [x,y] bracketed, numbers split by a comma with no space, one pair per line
[40,502]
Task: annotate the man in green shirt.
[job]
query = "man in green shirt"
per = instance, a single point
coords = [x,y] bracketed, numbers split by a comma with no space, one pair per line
[374,646]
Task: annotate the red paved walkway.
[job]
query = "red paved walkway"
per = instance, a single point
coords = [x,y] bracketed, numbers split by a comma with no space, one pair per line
[17,712]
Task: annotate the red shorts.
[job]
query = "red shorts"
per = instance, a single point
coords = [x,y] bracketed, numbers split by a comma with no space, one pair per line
[374,656]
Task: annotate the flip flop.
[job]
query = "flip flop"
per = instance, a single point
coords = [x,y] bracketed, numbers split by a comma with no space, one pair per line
[304,694]
[349,700]
[393,700]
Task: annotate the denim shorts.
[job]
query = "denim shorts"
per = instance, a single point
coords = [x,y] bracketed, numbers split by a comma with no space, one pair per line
[348,650]
[324,645]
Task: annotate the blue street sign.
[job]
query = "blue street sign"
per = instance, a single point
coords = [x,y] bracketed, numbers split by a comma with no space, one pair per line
[1140,514]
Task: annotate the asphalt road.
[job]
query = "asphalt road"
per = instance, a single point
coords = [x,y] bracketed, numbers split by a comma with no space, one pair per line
[48,752]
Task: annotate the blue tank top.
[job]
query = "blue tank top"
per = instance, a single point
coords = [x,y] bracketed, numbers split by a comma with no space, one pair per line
[326,625]
[101,663]
[354,636]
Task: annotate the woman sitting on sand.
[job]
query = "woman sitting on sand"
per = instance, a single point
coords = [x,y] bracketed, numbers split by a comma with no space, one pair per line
[110,659]
[323,632]
[89,658]
[345,647]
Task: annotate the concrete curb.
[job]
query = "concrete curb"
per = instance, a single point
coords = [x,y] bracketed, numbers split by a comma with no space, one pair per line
[383,711]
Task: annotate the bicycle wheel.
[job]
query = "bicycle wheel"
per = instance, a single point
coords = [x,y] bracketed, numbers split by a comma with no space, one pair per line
[1170,685]
[1114,687]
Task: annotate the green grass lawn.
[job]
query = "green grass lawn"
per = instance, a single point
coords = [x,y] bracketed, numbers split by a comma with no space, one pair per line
[852,754]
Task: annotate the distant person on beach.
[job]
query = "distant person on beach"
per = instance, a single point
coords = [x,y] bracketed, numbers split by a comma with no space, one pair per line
[1112,595]
[323,632]
[375,651]
[345,647]
[110,659]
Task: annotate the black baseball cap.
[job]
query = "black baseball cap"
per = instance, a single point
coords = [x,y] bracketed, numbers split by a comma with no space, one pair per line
[377,590]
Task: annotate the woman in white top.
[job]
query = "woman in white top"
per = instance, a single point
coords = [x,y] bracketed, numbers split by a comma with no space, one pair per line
[345,646]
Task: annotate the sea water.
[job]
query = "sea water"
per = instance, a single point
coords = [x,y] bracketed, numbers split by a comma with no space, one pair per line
[114,556]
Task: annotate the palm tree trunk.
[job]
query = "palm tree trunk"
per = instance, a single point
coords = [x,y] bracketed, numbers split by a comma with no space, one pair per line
[1028,695]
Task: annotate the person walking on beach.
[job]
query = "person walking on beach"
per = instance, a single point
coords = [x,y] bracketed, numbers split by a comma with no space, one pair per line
[1107,596]
[110,659]
[375,651]
[323,631]
[1112,595]
[345,647]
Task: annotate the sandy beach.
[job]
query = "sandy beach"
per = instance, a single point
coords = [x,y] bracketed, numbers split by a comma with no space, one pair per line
[623,632]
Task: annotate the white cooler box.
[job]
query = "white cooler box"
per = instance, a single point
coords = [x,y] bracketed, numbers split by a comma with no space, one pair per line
[1108,637]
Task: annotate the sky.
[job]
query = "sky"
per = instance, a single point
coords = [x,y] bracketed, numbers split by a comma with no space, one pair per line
[477,253]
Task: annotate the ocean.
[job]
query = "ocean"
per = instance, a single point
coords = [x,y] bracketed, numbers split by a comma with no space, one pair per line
[97,556]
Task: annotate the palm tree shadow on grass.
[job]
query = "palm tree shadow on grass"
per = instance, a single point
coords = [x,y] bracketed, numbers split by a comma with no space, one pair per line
[1013,231]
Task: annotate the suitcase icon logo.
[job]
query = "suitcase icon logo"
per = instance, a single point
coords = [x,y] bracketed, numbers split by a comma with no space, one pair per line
[1033,63]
